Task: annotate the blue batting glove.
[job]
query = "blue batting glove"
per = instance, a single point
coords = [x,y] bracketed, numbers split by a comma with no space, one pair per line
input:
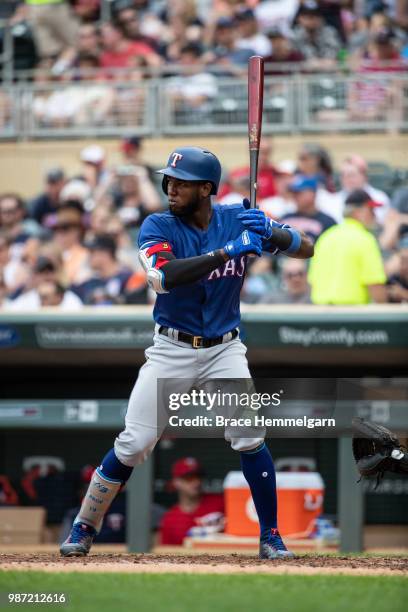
[256,221]
[246,203]
[247,242]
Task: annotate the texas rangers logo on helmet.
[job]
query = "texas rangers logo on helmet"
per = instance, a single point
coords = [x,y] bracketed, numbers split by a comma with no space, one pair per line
[176,158]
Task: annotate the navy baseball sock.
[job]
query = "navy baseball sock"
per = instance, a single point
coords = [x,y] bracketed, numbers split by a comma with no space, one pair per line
[112,468]
[259,471]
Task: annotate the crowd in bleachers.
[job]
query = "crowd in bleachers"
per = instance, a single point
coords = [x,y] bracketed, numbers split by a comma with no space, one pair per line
[224,32]
[190,43]
[75,243]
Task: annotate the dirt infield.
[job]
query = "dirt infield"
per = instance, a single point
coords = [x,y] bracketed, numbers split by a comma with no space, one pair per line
[207,564]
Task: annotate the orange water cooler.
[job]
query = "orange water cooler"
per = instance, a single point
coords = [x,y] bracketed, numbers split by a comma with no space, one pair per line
[300,501]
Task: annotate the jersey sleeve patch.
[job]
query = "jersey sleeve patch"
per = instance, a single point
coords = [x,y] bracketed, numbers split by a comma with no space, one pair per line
[157,248]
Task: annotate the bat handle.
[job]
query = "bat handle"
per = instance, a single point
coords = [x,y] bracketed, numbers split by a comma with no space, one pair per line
[253,157]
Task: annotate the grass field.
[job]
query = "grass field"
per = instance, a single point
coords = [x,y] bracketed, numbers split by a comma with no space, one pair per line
[91,592]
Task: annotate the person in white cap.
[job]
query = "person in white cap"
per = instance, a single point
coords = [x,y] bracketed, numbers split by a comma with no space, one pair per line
[93,160]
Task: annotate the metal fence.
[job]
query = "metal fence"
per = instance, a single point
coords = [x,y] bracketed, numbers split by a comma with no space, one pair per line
[165,106]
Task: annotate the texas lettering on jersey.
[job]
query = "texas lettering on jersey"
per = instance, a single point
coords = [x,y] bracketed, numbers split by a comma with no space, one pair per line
[209,307]
[231,268]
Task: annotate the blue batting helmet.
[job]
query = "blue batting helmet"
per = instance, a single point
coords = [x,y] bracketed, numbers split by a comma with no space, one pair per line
[192,164]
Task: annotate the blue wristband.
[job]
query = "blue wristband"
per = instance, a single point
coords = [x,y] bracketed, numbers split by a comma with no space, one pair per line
[296,241]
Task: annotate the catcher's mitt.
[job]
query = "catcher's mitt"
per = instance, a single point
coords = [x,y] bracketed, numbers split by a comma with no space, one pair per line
[377,450]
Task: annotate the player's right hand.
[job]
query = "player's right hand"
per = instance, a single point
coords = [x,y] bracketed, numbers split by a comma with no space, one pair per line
[256,221]
[247,242]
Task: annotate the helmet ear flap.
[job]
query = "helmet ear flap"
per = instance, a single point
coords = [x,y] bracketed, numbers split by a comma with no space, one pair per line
[164,183]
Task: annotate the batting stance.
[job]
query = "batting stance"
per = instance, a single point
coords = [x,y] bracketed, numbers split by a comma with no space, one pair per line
[195,259]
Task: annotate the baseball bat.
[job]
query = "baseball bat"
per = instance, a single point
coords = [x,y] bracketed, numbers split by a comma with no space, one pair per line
[255,107]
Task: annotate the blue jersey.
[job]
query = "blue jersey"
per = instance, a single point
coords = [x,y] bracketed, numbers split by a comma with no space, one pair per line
[209,307]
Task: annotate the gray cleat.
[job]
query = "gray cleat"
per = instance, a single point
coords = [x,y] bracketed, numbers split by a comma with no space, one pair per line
[79,541]
[272,547]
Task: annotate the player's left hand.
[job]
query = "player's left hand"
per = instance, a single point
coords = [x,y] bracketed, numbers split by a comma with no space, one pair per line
[256,221]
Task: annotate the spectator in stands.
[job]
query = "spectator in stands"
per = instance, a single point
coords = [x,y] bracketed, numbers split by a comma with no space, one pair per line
[13,271]
[379,98]
[132,150]
[354,175]
[396,220]
[360,38]
[73,105]
[128,20]
[194,508]
[176,35]
[5,262]
[195,88]
[117,50]
[87,11]
[239,183]
[381,53]
[266,173]
[260,281]
[294,287]
[25,56]
[8,496]
[94,171]
[187,9]
[3,290]
[314,161]
[137,290]
[397,285]
[54,24]
[133,190]
[401,13]
[69,231]
[319,43]
[47,202]
[76,190]
[93,102]
[13,219]
[98,218]
[127,251]
[225,50]
[249,35]
[45,275]
[276,14]
[347,267]
[50,293]
[88,39]
[283,202]
[307,217]
[108,279]
[88,43]
[283,52]
[334,14]
[23,257]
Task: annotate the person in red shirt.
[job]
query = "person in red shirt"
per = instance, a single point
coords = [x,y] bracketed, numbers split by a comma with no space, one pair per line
[194,509]
[117,50]
[8,496]
[266,174]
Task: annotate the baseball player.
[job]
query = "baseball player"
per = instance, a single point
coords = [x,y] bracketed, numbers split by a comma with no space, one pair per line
[195,258]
